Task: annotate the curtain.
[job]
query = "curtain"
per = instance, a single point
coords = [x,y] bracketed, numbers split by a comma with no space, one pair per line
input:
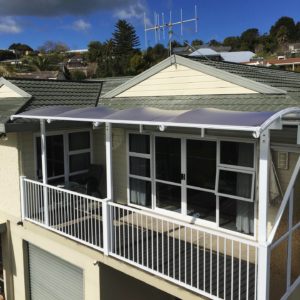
[244,209]
[138,192]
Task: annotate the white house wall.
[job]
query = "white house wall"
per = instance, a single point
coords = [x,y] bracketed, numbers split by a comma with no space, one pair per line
[181,80]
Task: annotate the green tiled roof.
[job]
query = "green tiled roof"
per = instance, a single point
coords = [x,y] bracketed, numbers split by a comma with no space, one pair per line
[251,102]
[286,80]
[59,92]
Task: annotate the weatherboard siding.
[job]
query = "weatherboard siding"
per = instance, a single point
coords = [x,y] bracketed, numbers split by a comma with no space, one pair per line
[180,80]
[6,92]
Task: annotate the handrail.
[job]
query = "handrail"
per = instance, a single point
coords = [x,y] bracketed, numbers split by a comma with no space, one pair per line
[66,191]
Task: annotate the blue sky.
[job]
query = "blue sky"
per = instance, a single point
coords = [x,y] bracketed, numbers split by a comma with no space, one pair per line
[76,22]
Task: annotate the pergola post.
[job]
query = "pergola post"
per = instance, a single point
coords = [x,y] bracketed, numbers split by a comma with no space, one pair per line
[107,222]
[263,250]
[44,170]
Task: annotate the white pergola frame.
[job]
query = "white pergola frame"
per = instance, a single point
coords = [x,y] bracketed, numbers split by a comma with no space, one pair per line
[262,132]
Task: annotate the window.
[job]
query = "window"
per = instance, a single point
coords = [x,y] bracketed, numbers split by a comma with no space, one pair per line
[210,180]
[236,174]
[140,186]
[68,154]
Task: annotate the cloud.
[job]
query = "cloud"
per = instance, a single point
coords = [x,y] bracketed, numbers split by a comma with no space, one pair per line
[133,11]
[60,7]
[9,25]
[81,25]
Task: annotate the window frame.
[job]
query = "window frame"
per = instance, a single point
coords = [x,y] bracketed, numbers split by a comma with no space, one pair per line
[144,178]
[67,153]
[183,214]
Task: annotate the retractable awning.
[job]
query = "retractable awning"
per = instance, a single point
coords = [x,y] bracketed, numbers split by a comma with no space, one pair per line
[204,118]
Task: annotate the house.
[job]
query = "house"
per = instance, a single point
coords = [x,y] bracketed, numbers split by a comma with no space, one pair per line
[294,48]
[234,56]
[180,183]
[54,75]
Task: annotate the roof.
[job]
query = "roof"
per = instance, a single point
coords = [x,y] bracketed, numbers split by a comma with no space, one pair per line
[205,118]
[292,60]
[36,93]
[237,56]
[110,83]
[204,52]
[283,80]
[58,92]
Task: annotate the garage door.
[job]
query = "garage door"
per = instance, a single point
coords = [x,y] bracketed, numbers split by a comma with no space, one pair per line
[52,278]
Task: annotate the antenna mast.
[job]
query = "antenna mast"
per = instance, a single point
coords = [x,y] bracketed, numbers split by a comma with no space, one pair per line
[161,27]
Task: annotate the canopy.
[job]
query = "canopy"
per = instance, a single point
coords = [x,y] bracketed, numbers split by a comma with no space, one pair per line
[206,118]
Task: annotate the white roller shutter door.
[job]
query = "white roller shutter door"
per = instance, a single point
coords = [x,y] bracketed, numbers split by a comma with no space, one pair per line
[52,278]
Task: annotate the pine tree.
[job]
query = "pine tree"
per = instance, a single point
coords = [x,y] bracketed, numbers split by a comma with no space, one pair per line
[125,45]
[125,39]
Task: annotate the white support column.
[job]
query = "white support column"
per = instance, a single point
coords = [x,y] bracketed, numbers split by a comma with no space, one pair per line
[108,149]
[44,169]
[109,190]
[23,199]
[263,198]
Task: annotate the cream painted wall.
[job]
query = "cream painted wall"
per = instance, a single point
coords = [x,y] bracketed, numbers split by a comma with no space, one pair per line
[6,92]
[180,80]
[9,177]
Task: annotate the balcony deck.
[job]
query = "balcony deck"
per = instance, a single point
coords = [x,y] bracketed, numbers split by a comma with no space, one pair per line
[206,262]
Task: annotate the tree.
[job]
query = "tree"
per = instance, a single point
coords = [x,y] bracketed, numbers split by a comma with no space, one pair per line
[125,39]
[214,43]
[123,46]
[284,30]
[249,39]
[234,42]
[197,43]
[53,47]
[78,75]
[95,50]
[20,48]
[41,63]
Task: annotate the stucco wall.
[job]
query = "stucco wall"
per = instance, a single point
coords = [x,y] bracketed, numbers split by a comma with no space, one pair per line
[9,177]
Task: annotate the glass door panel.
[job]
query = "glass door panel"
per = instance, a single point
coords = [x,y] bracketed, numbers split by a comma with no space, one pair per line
[168,159]
[168,173]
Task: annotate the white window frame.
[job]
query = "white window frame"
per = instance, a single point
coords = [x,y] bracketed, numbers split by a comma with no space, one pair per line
[139,155]
[184,217]
[67,152]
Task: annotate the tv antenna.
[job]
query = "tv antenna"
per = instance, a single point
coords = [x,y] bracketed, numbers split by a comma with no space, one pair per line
[160,26]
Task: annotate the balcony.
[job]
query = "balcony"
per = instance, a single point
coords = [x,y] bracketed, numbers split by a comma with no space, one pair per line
[207,262]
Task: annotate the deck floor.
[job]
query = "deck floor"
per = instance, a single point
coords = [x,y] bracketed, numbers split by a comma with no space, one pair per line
[223,276]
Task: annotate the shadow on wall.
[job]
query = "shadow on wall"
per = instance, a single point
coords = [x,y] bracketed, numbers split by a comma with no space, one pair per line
[115,285]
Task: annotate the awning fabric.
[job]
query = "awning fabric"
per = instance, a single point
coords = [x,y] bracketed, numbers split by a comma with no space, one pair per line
[197,118]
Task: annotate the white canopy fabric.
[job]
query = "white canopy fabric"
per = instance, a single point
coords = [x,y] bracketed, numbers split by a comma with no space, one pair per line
[206,118]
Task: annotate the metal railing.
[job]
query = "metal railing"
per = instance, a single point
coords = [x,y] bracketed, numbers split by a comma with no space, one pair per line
[211,263]
[74,215]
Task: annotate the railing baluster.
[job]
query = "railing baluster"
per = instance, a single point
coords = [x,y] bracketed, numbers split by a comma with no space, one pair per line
[124,245]
[247,283]
[211,266]
[240,271]
[232,269]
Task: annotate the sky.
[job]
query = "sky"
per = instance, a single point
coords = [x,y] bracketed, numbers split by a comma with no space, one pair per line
[77,22]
